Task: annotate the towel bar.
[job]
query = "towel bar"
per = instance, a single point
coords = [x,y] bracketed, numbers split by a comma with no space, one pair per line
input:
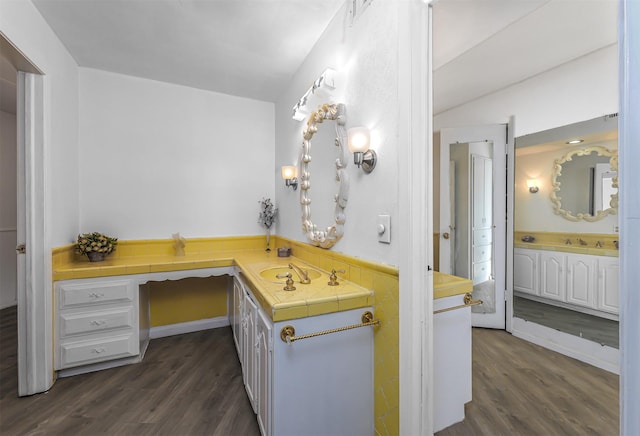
[468,301]
[288,332]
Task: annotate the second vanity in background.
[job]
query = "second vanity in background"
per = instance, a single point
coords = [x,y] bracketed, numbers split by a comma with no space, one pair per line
[581,278]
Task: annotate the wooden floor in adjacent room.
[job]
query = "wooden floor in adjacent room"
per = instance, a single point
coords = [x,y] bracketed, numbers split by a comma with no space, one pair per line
[520,388]
[192,385]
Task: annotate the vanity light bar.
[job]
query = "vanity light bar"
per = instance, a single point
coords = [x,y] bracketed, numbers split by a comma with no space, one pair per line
[322,88]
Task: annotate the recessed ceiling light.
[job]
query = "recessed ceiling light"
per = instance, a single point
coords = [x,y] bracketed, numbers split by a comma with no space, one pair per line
[575,141]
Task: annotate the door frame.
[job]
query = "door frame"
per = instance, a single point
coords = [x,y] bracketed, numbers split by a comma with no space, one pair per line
[35,300]
[470,134]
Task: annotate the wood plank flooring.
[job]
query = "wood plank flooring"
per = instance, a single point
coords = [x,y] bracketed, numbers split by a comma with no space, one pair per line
[192,385]
[520,388]
[186,385]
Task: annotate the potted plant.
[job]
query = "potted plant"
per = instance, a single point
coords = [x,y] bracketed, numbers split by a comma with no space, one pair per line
[267,217]
[95,245]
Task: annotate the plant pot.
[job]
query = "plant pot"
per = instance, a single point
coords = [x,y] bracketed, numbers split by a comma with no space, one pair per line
[95,257]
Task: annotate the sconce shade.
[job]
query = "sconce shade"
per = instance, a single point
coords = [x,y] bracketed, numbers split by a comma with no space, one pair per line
[532,184]
[288,172]
[358,139]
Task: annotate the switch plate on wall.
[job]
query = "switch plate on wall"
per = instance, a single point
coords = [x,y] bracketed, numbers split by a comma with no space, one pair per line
[384,229]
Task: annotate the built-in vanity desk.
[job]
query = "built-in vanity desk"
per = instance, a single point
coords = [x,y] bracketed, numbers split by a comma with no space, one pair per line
[297,385]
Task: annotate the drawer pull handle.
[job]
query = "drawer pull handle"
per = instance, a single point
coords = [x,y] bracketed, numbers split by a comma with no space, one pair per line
[97,323]
[98,350]
[95,295]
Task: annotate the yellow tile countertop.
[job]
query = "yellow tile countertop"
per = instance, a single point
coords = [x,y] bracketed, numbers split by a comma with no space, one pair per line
[445,285]
[307,300]
[596,244]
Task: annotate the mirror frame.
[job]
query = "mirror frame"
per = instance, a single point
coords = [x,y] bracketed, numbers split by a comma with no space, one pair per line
[555,184]
[325,238]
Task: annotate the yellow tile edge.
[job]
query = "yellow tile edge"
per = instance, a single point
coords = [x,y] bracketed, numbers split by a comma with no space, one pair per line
[556,241]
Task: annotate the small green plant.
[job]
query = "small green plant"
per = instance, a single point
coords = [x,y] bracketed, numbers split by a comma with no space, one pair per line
[95,243]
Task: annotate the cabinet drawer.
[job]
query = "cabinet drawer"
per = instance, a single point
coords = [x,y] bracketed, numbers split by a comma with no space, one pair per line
[481,272]
[482,253]
[482,236]
[97,321]
[98,350]
[71,295]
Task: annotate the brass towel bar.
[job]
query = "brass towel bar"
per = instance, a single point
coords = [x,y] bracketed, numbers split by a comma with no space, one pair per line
[288,332]
[468,301]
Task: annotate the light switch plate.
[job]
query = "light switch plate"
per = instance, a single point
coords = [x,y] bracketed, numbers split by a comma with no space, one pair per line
[383,227]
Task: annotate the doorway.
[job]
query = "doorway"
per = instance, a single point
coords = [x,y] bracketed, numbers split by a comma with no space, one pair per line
[472,239]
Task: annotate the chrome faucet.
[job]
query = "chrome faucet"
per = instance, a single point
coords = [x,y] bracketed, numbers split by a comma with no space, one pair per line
[599,244]
[581,241]
[303,274]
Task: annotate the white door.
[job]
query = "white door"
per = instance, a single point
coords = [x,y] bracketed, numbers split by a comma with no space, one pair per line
[457,145]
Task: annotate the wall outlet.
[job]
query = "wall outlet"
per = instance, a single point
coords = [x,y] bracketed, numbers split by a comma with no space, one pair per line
[383,228]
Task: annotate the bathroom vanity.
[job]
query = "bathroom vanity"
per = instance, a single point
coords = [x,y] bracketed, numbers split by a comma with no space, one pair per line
[306,355]
[558,276]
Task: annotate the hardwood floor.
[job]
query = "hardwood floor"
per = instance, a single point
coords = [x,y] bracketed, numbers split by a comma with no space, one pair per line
[186,385]
[522,389]
[192,385]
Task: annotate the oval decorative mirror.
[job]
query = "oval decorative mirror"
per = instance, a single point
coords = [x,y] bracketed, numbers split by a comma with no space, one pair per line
[585,184]
[327,237]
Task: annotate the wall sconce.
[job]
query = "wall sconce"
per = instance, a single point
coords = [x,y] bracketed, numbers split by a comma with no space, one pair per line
[289,176]
[532,184]
[359,140]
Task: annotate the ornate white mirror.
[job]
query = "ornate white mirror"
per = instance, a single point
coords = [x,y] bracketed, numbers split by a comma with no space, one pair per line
[327,116]
[585,184]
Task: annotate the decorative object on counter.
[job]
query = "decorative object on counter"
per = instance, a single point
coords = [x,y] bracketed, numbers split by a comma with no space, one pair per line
[289,174]
[267,217]
[95,246]
[284,252]
[325,238]
[528,238]
[178,244]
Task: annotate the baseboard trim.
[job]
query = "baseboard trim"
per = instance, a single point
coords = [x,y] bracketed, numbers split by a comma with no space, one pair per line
[584,350]
[188,327]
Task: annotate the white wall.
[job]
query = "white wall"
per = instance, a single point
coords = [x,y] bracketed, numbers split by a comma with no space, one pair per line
[158,158]
[534,212]
[7,210]
[576,91]
[367,54]
[22,24]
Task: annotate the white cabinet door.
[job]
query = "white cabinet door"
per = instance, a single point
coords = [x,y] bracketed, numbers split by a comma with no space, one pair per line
[525,271]
[236,316]
[249,348]
[264,351]
[552,275]
[608,270]
[581,276]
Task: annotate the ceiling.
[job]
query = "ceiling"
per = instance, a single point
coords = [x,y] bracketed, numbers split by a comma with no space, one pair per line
[252,48]
[248,48]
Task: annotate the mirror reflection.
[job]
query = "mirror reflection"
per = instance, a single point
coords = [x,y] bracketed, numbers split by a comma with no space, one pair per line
[565,263]
[585,184]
